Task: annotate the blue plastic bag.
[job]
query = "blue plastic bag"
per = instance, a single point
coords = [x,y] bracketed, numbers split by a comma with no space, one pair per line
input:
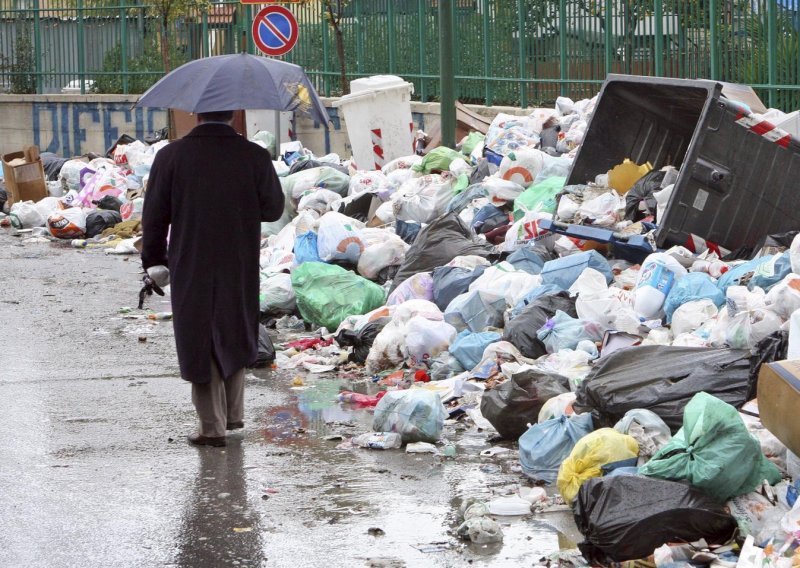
[305,248]
[545,445]
[693,286]
[526,259]
[565,332]
[532,295]
[742,274]
[564,271]
[468,347]
[452,281]
[770,273]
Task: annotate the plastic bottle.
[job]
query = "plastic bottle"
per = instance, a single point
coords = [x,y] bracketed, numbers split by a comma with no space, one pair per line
[714,268]
[379,440]
[656,278]
[160,316]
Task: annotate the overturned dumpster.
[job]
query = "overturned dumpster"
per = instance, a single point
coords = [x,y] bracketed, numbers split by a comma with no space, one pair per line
[737,176]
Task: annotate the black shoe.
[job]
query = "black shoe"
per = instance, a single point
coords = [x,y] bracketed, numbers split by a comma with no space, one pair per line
[200,440]
[234,425]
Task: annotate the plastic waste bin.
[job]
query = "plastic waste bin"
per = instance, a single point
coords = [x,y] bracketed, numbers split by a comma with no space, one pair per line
[738,175]
[378,116]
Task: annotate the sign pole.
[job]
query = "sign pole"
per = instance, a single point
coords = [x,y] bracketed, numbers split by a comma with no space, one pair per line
[446,75]
[277,133]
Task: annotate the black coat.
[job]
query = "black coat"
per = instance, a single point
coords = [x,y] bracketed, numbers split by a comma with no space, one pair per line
[213,188]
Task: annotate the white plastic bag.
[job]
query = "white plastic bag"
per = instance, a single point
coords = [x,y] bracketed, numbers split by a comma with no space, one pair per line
[404,163]
[67,224]
[527,231]
[506,282]
[339,238]
[277,294]
[794,254]
[25,215]
[522,166]
[747,328]
[603,210]
[48,206]
[416,414]
[425,339]
[318,201]
[784,297]
[423,199]
[375,258]
[371,182]
[692,315]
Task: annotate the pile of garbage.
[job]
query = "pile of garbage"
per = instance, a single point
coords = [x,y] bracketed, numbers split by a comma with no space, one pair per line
[93,201]
[625,375]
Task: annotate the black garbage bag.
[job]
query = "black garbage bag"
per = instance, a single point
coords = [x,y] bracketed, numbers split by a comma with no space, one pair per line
[109,203]
[52,164]
[662,379]
[642,191]
[452,281]
[99,220]
[773,347]
[482,171]
[266,350]
[361,342]
[626,517]
[386,274]
[437,244]
[514,404]
[3,197]
[302,165]
[359,207]
[521,331]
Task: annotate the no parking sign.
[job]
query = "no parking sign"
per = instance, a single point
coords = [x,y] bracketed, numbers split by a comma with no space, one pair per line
[275,30]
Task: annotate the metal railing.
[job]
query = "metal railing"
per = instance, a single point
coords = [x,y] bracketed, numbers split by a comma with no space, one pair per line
[513,52]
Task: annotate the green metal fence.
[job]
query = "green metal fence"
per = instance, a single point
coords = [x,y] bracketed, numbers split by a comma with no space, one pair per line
[514,52]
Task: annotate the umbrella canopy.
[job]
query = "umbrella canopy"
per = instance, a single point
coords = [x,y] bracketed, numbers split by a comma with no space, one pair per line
[234,82]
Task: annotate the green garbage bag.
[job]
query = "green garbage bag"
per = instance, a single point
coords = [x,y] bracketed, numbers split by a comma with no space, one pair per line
[713,451]
[472,140]
[539,197]
[326,294]
[437,160]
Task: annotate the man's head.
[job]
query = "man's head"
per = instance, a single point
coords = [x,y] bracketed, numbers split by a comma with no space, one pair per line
[217,116]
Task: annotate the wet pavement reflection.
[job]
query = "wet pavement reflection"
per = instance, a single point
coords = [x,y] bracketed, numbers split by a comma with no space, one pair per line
[95,469]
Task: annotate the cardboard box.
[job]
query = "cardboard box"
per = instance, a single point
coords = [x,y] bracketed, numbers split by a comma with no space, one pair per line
[25,182]
[779,400]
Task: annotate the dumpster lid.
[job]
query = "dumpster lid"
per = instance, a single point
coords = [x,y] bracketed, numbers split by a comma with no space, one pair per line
[377,82]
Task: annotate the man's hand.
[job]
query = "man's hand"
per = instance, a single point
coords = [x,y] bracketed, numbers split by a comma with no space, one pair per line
[154,279]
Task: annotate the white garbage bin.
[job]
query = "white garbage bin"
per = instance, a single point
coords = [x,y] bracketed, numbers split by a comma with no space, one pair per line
[377,113]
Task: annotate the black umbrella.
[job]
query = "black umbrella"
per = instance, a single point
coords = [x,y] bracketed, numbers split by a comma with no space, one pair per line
[234,82]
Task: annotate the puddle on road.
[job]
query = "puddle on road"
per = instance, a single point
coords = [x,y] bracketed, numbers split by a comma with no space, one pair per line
[413,498]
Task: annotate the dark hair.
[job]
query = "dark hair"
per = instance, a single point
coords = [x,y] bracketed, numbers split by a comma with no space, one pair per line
[216,116]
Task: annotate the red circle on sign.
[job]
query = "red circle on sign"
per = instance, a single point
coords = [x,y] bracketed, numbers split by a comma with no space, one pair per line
[275,40]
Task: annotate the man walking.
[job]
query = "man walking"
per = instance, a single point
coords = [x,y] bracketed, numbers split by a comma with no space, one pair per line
[209,192]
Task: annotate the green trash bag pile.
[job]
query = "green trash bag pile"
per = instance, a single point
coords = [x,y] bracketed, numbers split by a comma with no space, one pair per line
[713,451]
[327,294]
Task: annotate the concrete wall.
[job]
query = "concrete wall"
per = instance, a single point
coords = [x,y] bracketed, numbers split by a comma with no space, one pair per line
[71,125]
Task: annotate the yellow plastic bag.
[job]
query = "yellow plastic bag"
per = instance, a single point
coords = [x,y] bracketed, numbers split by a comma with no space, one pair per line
[589,455]
[622,176]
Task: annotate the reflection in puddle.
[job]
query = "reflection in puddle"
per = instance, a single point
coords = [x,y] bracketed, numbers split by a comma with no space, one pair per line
[413,498]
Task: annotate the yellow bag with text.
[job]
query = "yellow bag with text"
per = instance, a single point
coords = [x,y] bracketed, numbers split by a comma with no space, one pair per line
[590,454]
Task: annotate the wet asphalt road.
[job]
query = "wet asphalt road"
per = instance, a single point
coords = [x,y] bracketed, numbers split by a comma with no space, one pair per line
[95,469]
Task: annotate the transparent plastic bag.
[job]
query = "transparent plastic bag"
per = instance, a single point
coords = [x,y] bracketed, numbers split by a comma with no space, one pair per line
[564,332]
[416,414]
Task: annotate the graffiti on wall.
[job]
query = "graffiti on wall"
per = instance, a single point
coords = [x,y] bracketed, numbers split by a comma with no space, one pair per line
[71,129]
